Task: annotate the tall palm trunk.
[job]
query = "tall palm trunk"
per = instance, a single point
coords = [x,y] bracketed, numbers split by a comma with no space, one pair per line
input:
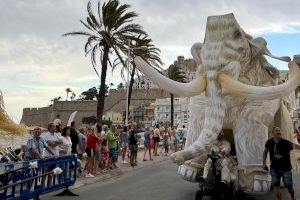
[172,110]
[101,96]
[67,96]
[131,84]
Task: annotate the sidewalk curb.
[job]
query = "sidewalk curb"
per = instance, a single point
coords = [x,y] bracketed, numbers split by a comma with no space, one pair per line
[111,175]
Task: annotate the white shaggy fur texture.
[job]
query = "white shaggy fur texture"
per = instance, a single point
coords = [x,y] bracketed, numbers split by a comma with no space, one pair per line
[226,49]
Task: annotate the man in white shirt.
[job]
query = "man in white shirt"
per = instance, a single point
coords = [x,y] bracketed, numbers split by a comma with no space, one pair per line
[53,141]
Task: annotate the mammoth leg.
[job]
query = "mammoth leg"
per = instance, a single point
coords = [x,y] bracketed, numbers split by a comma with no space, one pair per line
[250,138]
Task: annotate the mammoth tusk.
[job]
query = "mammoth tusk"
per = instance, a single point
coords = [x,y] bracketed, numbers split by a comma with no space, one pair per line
[233,87]
[193,88]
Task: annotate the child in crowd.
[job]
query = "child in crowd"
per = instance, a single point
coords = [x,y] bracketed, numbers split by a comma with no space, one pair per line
[105,155]
[165,142]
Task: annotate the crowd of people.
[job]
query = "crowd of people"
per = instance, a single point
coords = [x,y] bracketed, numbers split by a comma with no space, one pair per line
[100,146]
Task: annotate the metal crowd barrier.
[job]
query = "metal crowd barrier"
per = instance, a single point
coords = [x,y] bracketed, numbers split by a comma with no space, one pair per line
[28,180]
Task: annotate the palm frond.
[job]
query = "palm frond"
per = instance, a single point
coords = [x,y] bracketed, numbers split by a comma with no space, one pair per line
[126,18]
[91,23]
[93,55]
[87,26]
[130,29]
[92,16]
[89,44]
[108,10]
[176,74]
[73,33]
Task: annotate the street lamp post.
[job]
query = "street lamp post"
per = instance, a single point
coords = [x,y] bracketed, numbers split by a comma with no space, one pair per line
[128,81]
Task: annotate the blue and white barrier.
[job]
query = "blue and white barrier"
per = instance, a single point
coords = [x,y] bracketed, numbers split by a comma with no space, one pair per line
[28,180]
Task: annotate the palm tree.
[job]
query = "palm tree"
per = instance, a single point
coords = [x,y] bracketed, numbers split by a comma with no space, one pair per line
[111,85]
[120,86]
[73,96]
[107,33]
[150,54]
[175,73]
[68,90]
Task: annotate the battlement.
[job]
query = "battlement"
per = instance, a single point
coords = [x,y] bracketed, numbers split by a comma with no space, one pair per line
[115,101]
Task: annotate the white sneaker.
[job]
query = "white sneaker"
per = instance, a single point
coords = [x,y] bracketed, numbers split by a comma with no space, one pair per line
[124,162]
[89,176]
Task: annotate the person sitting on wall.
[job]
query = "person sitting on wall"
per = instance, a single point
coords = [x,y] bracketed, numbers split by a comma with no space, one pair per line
[222,148]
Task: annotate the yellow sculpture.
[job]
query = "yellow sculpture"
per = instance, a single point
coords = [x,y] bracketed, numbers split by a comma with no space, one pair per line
[7,125]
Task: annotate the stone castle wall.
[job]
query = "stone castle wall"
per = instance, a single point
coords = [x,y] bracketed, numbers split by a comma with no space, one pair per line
[115,101]
[36,116]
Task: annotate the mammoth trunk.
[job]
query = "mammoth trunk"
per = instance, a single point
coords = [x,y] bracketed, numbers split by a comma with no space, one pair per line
[214,115]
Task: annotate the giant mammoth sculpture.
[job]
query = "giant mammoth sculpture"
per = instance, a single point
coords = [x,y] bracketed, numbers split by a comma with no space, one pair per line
[236,88]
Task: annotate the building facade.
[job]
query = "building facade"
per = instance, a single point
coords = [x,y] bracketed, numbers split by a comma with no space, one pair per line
[142,83]
[188,66]
[163,111]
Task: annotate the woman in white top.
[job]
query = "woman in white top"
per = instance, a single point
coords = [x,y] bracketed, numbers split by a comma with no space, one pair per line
[66,146]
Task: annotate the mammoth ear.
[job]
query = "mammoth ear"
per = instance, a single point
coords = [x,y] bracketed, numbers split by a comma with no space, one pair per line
[259,47]
[196,51]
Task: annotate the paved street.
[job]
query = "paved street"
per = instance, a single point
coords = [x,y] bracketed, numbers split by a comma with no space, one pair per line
[153,182]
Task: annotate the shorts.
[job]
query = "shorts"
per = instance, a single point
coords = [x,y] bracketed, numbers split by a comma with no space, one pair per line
[147,145]
[167,149]
[156,139]
[90,152]
[133,147]
[112,153]
[285,175]
[124,145]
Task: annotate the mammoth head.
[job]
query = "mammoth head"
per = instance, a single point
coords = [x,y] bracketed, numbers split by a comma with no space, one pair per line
[225,41]
[226,46]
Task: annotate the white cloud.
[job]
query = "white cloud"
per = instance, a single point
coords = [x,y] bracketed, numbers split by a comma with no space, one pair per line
[37,64]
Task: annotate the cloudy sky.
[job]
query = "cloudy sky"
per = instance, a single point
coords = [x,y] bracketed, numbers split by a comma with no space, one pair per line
[37,64]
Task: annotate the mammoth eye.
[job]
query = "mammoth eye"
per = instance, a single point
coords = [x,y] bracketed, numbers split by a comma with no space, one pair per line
[237,34]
